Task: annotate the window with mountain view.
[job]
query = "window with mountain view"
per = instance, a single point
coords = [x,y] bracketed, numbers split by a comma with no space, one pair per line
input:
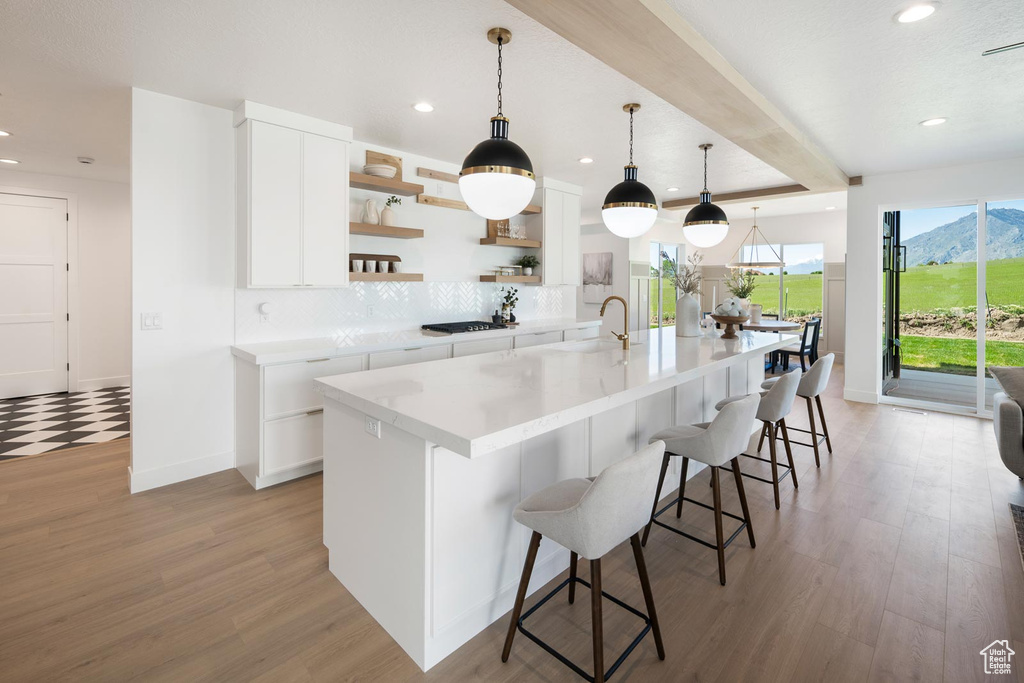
[795,289]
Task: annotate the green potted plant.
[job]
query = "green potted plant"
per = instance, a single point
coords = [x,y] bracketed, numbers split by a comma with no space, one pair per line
[528,263]
[508,304]
[387,215]
[742,284]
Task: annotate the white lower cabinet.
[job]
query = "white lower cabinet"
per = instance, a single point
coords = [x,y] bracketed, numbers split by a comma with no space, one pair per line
[279,418]
[526,340]
[472,348]
[388,359]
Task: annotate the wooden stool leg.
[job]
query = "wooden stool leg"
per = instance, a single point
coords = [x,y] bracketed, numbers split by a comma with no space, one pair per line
[573,559]
[717,488]
[657,496]
[772,438]
[743,500]
[760,442]
[524,583]
[597,626]
[789,452]
[824,427]
[814,433]
[645,585]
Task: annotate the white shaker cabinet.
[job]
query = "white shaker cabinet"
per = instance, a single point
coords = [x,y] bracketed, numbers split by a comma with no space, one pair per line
[292,208]
[560,231]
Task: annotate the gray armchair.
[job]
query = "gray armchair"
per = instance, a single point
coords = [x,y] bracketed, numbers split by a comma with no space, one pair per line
[1008,421]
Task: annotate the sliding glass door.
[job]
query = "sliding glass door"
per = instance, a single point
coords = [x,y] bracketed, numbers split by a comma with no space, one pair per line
[953,301]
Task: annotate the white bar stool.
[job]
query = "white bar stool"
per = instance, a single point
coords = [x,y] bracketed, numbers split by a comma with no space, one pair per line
[590,517]
[776,403]
[812,386]
[713,443]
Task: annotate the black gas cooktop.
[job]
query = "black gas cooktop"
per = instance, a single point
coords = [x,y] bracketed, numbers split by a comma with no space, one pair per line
[470,326]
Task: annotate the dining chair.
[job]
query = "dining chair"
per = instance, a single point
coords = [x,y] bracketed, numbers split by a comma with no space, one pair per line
[807,347]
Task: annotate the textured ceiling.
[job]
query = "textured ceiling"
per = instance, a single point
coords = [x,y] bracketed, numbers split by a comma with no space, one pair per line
[858,83]
[68,65]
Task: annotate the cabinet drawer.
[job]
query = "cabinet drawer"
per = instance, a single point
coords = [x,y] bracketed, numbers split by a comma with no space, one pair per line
[525,340]
[293,441]
[580,333]
[387,359]
[289,388]
[472,348]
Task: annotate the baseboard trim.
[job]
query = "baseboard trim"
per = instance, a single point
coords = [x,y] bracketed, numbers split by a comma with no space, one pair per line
[860,396]
[103,383]
[181,471]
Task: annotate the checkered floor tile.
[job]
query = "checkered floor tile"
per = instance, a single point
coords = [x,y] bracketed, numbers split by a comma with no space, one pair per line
[38,424]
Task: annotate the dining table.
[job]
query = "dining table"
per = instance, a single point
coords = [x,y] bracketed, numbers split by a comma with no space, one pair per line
[773,326]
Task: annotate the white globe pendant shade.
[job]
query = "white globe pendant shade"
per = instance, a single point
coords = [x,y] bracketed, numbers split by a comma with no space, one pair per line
[497,195]
[629,221]
[706,235]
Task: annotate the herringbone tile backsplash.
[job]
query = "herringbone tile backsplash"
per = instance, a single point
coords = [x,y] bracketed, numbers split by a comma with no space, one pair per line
[380,306]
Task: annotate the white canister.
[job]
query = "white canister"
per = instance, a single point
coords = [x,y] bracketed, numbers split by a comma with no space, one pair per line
[755,313]
[371,266]
[357,265]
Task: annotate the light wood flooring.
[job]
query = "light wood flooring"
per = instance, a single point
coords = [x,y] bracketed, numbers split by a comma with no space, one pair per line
[895,561]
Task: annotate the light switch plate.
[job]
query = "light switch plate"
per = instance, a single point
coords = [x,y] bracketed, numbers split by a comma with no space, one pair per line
[152,321]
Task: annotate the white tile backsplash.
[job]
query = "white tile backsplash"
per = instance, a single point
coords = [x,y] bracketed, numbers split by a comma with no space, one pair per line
[380,306]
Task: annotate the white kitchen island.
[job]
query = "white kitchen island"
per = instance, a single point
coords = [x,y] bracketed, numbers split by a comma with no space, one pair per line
[424,464]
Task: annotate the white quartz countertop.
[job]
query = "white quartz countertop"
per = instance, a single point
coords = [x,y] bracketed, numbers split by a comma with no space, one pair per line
[265,353]
[478,404]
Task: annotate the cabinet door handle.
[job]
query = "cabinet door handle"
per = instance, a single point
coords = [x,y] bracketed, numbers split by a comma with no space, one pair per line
[317,360]
[315,412]
[415,348]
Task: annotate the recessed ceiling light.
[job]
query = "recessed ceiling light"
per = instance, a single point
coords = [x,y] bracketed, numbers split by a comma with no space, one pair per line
[933,122]
[830,208]
[424,107]
[916,12]
[586,160]
[671,189]
[9,161]
[4,134]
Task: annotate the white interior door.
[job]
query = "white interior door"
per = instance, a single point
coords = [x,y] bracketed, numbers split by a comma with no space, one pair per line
[33,295]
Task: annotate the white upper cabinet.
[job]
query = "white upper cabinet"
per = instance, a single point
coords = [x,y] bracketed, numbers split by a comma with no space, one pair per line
[560,219]
[292,178]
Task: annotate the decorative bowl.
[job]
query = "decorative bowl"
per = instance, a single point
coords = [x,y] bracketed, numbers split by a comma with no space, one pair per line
[380,170]
[730,322]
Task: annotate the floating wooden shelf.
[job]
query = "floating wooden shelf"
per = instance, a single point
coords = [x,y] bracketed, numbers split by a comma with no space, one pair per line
[531,209]
[362,181]
[442,202]
[525,279]
[384,231]
[509,242]
[386,277]
[437,175]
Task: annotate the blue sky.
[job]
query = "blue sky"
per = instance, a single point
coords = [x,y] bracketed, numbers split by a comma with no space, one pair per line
[917,221]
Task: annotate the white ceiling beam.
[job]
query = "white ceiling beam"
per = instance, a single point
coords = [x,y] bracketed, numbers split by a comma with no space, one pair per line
[649,43]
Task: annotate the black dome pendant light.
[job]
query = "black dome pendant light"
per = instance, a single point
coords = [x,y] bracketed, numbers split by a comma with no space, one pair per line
[705,225]
[497,178]
[630,208]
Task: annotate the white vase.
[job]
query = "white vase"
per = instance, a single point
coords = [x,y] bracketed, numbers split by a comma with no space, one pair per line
[370,215]
[687,316]
[527,271]
[755,313]
[387,216]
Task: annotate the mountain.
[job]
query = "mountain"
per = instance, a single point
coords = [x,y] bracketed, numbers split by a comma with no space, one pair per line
[958,241]
[805,267]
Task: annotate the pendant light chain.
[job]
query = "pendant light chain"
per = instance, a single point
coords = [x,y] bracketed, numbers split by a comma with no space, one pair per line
[631,136]
[705,169]
[500,41]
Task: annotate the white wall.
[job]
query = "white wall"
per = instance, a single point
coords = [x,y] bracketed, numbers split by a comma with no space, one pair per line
[449,255]
[826,227]
[104,273]
[597,239]
[968,184]
[182,193]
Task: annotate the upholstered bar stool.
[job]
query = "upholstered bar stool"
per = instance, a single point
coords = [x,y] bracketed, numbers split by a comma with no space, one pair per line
[590,517]
[812,386]
[713,443]
[775,405]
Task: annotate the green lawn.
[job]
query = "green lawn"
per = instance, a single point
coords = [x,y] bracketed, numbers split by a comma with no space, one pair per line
[956,356]
[804,294]
[952,285]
